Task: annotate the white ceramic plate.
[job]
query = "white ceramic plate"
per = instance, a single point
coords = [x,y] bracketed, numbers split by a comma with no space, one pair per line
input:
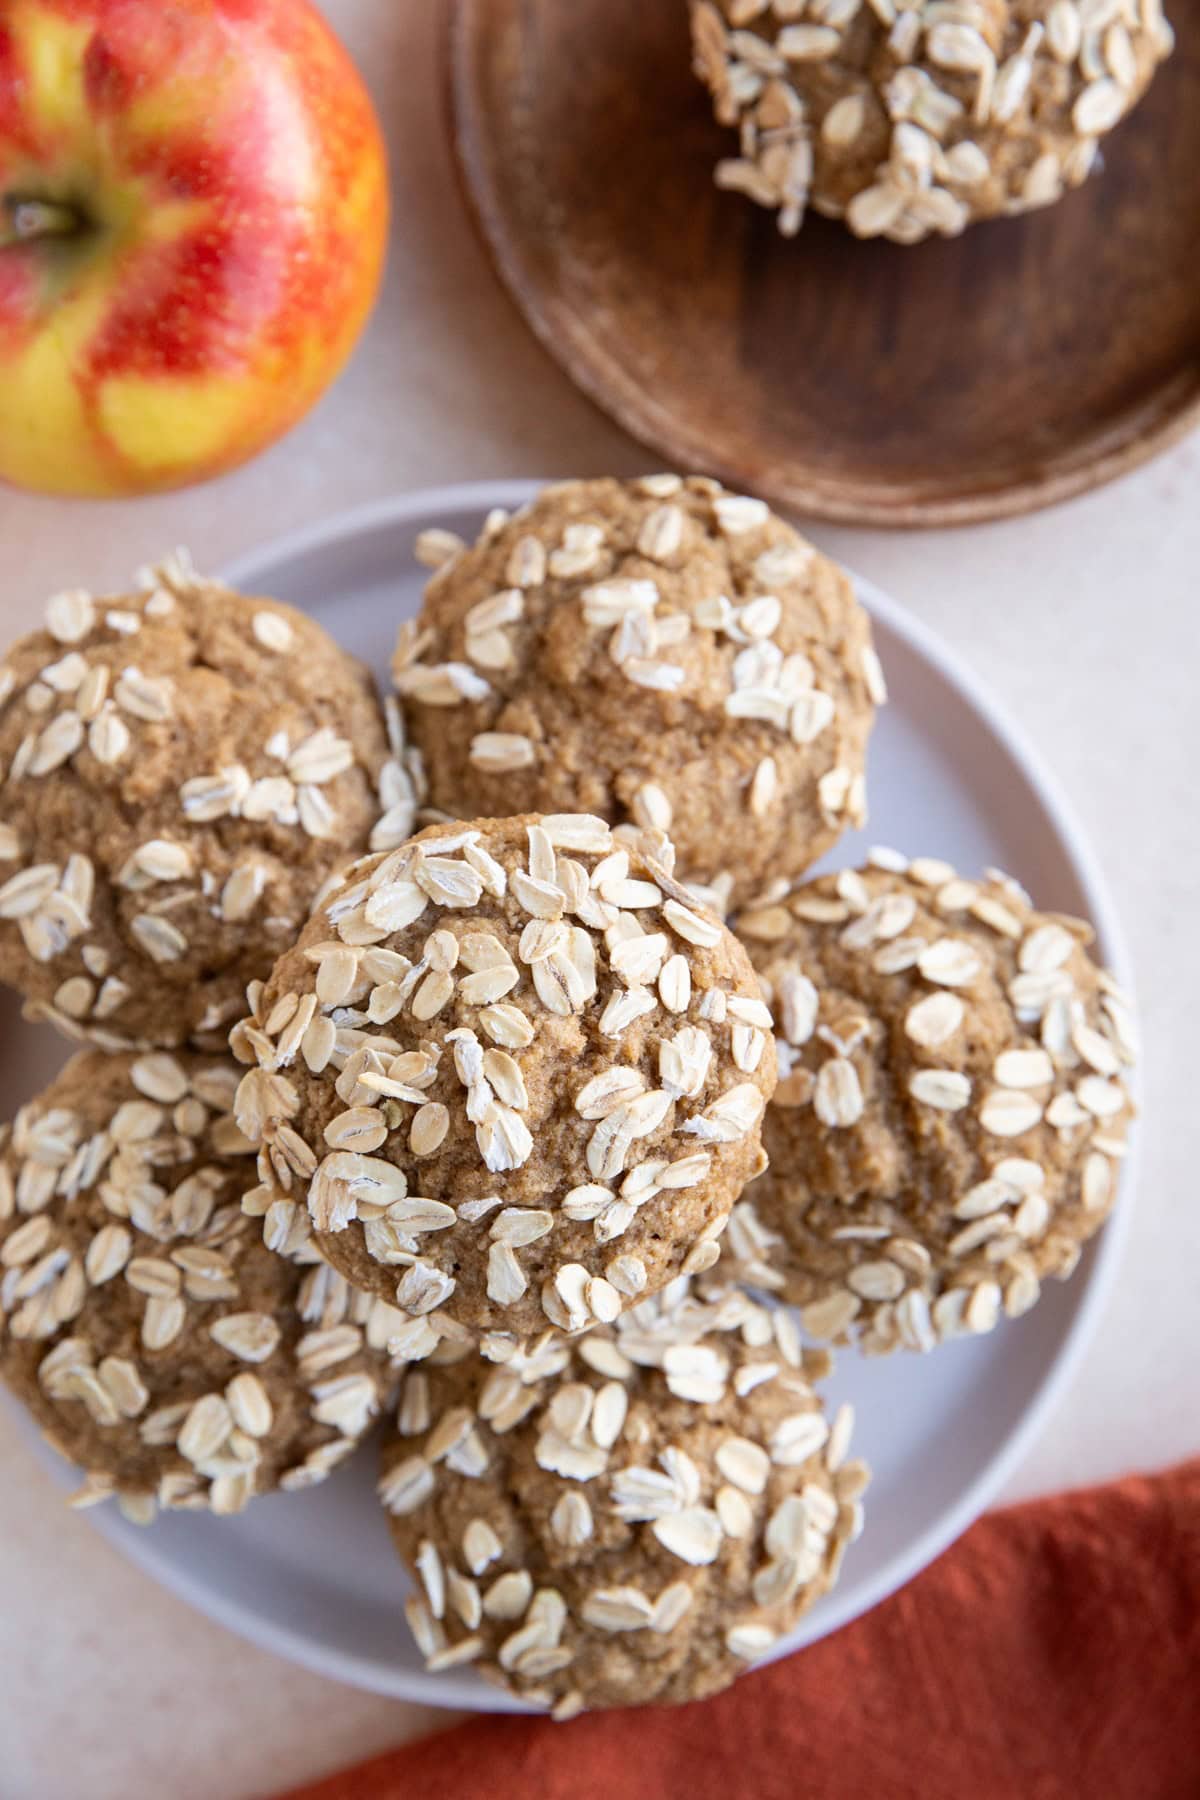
[313,1575]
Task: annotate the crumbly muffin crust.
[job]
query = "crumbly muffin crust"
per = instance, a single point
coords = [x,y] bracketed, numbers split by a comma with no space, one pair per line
[511,1074]
[143,1323]
[654,651]
[912,117]
[182,768]
[952,1106]
[628,1518]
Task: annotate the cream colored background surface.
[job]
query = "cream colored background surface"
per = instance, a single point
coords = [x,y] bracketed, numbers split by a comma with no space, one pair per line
[1086,621]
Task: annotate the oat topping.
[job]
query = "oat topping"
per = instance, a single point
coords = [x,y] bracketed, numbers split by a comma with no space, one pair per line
[626,1518]
[658,652]
[155,1340]
[178,775]
[952,1102]
[467,1080]
[912,117]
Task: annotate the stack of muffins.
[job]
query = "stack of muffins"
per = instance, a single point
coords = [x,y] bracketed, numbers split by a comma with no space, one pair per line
[435,1051]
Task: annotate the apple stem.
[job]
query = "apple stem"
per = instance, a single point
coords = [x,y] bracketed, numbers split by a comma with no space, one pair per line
[25,220]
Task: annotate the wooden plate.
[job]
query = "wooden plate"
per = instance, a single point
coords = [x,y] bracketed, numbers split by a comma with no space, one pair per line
[963,379]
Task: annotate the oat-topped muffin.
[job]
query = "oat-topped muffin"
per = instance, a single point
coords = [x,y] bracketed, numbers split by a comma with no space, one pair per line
[155,1339]
[910,117]
[654,651]
[628,1519]
[182,769]
[516,1075]
[952,1105]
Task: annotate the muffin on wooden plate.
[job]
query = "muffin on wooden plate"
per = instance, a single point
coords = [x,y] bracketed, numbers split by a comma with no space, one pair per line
[912,117]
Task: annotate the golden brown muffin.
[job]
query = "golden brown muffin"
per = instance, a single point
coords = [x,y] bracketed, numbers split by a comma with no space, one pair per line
[155,1339]
[627,1519]
[952,1104]
[912,117]
[516,1074]
[183,768]
[654,651]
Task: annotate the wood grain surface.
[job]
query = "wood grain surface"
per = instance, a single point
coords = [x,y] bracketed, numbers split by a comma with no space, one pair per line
[958,380]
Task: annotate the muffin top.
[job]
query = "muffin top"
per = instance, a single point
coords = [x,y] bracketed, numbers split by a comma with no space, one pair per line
[912,117]
[628,1518]
[654,651]
[155,1339]
[516,1074]
[952,1104]
[183,767]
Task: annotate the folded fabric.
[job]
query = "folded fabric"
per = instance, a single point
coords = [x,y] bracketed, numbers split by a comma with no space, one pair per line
[1052,1654]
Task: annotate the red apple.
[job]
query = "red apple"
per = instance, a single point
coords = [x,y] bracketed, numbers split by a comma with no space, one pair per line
[193,211]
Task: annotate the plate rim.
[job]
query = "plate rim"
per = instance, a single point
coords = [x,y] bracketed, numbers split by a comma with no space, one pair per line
[362,1671]
[619,398]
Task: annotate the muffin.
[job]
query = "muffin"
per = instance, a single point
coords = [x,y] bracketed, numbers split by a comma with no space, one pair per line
[952,1106]
[184,768]
[656,652]
[511,1075]
[912,117]
[143,1323]
[627,1519]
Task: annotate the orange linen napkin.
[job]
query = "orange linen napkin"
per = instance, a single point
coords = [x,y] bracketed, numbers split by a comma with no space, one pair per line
[1053,1654]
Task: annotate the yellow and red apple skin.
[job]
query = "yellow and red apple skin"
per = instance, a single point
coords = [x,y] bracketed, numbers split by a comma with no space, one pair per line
[229,158]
